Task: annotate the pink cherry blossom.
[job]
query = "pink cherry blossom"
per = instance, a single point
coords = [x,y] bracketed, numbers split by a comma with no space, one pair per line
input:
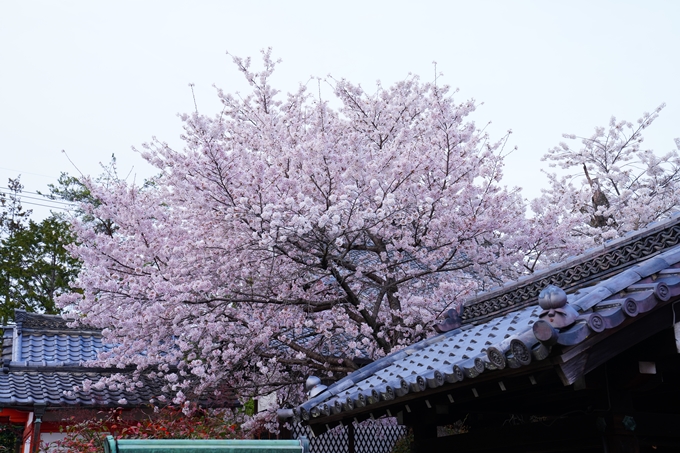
[611,186]
[293,233]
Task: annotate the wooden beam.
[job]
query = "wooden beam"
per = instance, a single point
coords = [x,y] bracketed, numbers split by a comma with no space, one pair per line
[558,435]
[577,361]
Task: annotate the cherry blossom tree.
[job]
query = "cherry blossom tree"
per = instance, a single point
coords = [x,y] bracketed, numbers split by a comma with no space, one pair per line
[290,236]
[611,186]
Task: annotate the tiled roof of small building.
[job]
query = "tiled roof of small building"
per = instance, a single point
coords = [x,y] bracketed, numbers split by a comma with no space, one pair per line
[506,329]
[43,364]
[59,349]
[39,339]
[62,387]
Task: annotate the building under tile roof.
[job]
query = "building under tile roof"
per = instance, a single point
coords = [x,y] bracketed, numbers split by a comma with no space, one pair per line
[46,340]
[553,347]
[44,380]
[43,364]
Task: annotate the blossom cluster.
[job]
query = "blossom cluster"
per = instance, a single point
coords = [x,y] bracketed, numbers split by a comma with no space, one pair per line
[289,237]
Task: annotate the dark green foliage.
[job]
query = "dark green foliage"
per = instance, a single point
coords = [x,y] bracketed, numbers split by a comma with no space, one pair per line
[35,266]
[70,188]
[9,437]
[12,214]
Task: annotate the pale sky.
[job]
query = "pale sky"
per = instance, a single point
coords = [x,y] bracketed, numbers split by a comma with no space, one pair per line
[97,78]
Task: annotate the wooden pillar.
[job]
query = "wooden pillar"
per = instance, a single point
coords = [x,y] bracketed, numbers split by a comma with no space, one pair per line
[620,430]
[620,438]
[284,432]
[422,433]
[350,438]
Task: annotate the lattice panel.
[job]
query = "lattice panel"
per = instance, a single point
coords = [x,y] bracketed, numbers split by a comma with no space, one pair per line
[376,438]
[368,438]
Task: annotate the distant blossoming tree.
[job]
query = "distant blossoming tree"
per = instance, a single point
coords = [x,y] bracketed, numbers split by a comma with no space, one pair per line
[289,237]
[613,186]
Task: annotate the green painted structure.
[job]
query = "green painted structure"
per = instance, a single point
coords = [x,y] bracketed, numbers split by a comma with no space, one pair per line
[205,446]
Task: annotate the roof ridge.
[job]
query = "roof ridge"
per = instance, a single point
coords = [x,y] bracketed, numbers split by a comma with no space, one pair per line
[575,271]
[41,321]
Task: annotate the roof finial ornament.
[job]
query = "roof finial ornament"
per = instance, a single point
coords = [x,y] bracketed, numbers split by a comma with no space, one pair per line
[556,311]
[552,297]
[313,386]
[453,320]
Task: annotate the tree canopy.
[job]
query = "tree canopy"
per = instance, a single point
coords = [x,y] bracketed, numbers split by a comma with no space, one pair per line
[294,235]
[35,266]
[609,185]
[290,236]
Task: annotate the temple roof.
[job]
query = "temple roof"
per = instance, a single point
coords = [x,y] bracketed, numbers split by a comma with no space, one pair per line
[29,321]
[575,272]
[582,302]
[44,363]
[47,340]
[64,387]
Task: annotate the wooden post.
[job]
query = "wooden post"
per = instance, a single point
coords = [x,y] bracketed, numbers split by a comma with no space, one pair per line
[422,432]
[284,433]
[620,433]
[350,438]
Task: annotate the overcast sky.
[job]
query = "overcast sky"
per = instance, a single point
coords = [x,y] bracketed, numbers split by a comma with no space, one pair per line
[97,78]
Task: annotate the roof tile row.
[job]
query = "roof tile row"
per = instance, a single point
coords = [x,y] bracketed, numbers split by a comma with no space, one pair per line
[512,339]
[65,388]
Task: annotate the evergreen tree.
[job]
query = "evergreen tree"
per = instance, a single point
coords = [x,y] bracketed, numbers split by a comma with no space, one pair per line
[35,266]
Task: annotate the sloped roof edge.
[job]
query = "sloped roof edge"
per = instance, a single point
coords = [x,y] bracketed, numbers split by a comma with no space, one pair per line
[576,271]
[43,322]
[609,288]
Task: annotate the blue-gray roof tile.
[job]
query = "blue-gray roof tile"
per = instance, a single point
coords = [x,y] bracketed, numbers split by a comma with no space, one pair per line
[66,348]
[58,388]
[608,286]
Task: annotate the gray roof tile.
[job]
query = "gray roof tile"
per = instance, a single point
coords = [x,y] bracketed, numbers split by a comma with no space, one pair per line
[57,388]
[658,239]
[64,348]
[508,338]
[48,340]
[44,366]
